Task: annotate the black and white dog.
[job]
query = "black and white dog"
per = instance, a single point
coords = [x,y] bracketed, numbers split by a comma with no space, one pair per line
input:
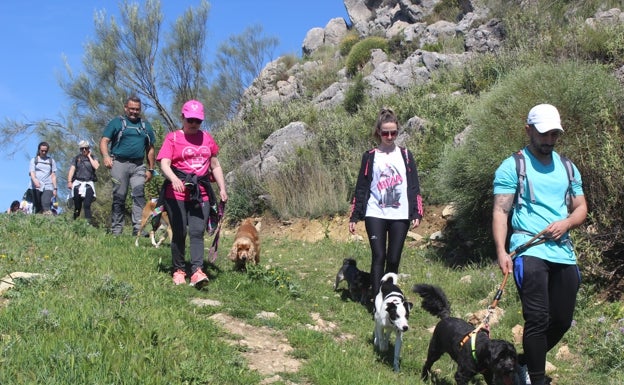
[358,281]
[496,359]
[391,314]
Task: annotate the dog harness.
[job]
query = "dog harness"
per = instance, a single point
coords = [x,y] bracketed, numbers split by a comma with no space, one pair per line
[473,341]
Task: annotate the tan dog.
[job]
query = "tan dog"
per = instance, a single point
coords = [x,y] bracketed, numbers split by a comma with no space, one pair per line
[246,247]
[164,223]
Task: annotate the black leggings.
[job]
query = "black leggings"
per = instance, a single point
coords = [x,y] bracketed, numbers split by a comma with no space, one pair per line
[187,217]
[548,294]
[80,202]
[385,260]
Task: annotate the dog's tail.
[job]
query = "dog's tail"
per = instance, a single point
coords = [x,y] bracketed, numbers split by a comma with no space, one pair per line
[390,276]
[433,300]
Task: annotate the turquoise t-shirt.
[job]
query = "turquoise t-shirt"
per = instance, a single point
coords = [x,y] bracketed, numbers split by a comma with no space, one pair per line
[133,140]
[550,185]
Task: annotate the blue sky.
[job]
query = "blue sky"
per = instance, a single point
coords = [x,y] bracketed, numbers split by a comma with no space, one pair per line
[37,34]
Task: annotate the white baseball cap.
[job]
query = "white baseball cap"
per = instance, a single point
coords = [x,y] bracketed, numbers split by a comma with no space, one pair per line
[544,117]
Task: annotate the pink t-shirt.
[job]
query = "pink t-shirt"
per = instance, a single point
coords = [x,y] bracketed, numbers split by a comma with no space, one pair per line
[189,153]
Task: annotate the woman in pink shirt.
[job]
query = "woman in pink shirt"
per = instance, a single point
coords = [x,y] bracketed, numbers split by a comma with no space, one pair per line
[188,159]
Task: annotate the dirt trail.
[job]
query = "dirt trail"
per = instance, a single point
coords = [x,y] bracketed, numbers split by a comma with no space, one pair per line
[267,350]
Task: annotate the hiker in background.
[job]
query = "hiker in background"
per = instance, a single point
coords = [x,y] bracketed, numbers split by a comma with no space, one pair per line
[131,140]
[14,208]
[43,179]
[81,180]
[551,199]
[387,197]
[188,160]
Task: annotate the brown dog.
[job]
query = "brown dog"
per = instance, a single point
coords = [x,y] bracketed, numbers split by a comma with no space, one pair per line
[164,223]
[246,247]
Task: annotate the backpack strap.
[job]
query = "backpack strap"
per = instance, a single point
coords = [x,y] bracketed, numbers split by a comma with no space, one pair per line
[522,177]
[36,159]
[567,164]
[124,125]
[521,172]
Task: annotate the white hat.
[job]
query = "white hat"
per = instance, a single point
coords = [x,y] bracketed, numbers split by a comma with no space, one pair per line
[544,117]
[83,144]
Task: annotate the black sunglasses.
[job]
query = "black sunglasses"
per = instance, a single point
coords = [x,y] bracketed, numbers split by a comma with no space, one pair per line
[194,120]
[389,133]
[84,148]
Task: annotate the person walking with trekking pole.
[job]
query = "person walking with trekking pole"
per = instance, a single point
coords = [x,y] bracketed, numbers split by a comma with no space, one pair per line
[131,140]
[541,191]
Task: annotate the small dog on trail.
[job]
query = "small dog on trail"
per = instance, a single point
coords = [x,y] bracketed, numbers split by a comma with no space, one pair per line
[246,246]
[358,281]
[391,315]
[164,224]
[496,359]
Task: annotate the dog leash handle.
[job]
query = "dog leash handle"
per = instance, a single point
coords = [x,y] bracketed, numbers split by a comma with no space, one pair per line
[499,292]
[537,239]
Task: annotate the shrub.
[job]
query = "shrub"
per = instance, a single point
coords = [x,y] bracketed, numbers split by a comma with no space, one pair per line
[355,95]
[307,187]
[485,71]
[446,45]
[604,43]
[348,42]
[244,198]
[360,53]
[400,49]
[316,79]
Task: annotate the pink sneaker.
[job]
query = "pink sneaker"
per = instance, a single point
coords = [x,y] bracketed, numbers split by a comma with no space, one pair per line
[198,279]
[179,277]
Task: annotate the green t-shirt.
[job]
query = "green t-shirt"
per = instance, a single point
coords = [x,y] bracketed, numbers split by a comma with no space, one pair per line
[134,140]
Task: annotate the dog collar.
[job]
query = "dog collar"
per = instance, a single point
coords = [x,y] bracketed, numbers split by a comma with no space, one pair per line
[393,294]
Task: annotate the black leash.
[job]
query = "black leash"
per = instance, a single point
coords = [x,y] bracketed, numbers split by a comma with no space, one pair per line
[212,252]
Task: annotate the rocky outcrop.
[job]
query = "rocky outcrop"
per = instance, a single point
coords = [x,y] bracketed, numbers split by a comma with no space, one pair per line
[279,84]
[277,148]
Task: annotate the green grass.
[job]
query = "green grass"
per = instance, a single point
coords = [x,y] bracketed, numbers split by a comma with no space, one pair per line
[106,312]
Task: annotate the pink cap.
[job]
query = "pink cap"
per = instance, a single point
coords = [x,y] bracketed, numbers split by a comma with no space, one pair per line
[193,109]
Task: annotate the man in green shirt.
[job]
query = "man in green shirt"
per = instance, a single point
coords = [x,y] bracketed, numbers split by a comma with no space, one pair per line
[126,141]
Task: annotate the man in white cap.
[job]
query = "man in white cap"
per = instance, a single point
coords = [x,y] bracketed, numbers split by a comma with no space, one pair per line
[546,197]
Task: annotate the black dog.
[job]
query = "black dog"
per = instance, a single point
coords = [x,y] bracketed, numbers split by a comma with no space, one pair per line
[496,359]
[358,281]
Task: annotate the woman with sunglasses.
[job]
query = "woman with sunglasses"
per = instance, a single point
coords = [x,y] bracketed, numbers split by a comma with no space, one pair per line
[188,159]
[387,197]
[81,180]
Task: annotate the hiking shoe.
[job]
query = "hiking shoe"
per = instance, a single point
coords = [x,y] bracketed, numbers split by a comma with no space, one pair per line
[198,279]
[523,376]
[179,277]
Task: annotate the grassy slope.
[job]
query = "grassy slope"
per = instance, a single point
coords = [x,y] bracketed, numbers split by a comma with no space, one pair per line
[107,313]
